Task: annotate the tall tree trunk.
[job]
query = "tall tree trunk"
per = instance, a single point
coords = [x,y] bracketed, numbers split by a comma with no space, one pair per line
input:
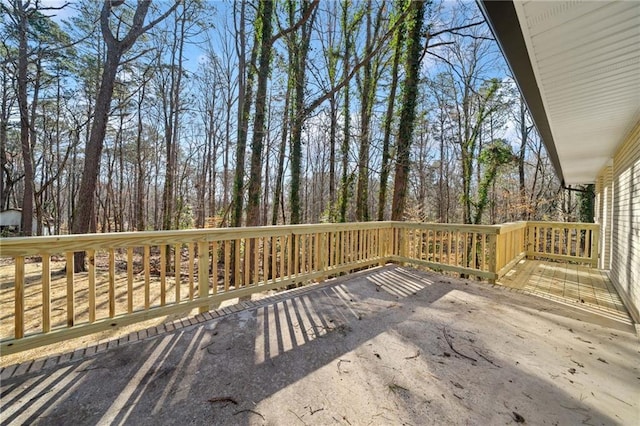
[443,207]
[140,175]
[83,214]
[25,128]
[172,126]
[225,158]
[277,193]
[345,181]
[333,131]
[524,137]
[119,211]
[245,99]
[366,102]
[472,132]
[466,157]
[5,176]
[257,142]
[266,193]
[388,122]
[299,114]
[408,113]
[115,49]
[331,56]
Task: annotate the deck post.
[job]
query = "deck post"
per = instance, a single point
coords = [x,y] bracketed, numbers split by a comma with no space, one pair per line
[493,249]
[595,247]
[203,273]
[19,297]
[321,254]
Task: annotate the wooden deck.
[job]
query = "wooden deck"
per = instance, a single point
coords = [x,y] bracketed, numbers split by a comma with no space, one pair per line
[581,286]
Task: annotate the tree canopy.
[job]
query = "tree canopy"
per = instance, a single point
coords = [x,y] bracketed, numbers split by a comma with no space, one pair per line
[121,116]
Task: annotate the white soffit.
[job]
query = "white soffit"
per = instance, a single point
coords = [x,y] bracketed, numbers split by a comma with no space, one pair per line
[586,59]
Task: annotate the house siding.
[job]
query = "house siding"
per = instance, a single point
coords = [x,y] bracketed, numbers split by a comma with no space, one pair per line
[624,256]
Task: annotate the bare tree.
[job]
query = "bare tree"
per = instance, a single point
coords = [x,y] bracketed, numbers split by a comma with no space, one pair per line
[116,48]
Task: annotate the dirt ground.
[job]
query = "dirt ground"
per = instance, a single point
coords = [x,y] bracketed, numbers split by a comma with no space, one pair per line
[390,346]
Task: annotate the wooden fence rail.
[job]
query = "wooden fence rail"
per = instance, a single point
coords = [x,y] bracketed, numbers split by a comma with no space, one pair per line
[135,276]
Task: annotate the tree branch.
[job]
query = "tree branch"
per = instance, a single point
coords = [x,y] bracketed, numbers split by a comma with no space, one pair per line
[104,24]
[356,67]
[451,30]
[475,37]
[297,25]
[161,17]
[427,46]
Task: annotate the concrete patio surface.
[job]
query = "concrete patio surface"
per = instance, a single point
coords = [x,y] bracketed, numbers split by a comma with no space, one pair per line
[392,345]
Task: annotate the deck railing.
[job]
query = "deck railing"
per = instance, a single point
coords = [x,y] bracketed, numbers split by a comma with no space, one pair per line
[463,249]
[135,276]
[510,246]
[573,241]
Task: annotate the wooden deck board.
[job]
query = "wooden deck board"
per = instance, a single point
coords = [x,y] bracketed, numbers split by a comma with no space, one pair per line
[588,293]
[581,286]
[515,276]
[572,283]
[553,281]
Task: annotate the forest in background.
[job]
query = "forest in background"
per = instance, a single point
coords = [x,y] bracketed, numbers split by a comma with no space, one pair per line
[123,116]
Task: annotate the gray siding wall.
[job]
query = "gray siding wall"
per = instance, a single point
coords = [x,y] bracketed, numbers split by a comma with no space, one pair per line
[625,225]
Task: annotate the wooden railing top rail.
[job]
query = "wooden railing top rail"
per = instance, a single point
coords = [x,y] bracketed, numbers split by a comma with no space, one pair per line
[30,246]
[581,225]
[485,229]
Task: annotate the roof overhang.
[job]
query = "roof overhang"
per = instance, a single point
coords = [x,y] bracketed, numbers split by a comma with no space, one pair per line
[577,64]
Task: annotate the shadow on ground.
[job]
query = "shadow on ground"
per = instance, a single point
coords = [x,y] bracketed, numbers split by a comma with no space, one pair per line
[389,346]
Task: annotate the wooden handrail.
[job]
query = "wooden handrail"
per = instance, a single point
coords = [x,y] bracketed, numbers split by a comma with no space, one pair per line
[32,246]
[135,276]
[485,229]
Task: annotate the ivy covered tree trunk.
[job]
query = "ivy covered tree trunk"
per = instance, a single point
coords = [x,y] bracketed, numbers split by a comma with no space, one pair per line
[366,104]
[493,155]
[299,114]
[345,180]
[586,201]
[398,43]
[257,142]
[245,100]
[408,112]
